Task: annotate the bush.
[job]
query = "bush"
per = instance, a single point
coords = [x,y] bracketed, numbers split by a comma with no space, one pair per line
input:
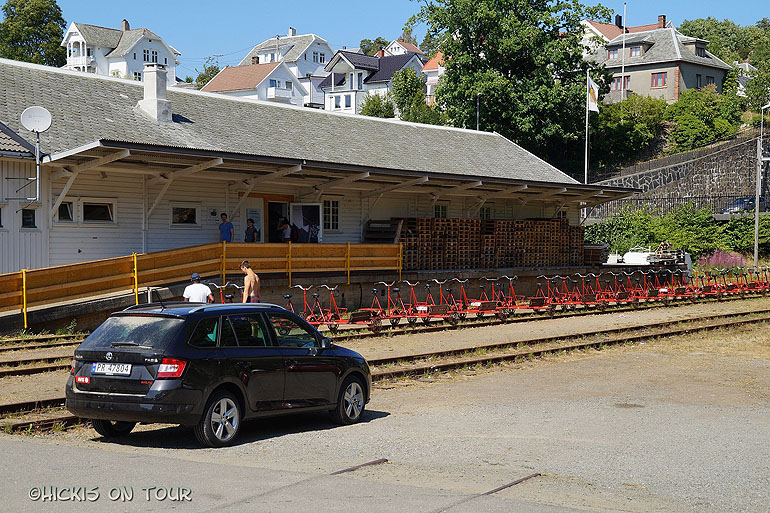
[627,129]
[703,116]
[378,106]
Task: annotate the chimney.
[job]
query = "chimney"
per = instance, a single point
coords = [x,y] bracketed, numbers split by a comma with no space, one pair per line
[154,103]
[619,21]
[662,21]
[381,53]
[124,26]
[292,32]
[255,60]
[344,47]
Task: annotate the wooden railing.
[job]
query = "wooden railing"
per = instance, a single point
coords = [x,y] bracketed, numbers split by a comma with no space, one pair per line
[36,287]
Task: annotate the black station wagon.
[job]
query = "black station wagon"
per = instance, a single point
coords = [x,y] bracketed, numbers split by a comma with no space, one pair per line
[211,367]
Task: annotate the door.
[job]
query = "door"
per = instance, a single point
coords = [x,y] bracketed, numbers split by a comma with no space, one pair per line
[311,374]
[252,209]
[275,211]
[254,360]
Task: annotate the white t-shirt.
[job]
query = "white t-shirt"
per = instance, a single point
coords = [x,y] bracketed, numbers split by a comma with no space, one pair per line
[197,293]
[286,232]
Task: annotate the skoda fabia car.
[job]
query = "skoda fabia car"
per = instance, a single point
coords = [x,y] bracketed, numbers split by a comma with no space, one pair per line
[211,367]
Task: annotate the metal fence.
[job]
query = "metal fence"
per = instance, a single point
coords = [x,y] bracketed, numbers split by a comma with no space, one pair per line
[660,205]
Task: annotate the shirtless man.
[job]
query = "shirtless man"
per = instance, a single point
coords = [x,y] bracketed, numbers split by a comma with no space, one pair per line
[250,284]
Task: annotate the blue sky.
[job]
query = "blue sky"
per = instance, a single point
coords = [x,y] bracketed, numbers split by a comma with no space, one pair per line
[199,28]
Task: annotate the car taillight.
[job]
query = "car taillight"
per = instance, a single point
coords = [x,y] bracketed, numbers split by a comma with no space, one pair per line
[72,368]
[171,368]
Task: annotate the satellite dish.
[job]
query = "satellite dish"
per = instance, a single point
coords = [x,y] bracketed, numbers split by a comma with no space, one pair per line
[36,119]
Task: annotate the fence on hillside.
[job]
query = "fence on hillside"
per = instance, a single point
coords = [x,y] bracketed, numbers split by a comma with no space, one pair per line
[718,204]
[37,287]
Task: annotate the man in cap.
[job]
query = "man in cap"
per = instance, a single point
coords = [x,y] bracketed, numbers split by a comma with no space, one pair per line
[197,292]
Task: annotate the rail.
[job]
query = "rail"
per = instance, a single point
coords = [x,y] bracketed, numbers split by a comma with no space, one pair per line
[38,287]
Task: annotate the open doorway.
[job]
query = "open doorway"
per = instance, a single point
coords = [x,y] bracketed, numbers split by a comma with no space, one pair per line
[275,211]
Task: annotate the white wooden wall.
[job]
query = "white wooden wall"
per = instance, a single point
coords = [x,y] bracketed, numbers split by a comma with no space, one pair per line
[20,247]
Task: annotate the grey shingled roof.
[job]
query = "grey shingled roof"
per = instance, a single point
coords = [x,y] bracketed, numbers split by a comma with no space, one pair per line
[129,39]
[12,143]
[389,65]
[298,45]
[101,37]
[667,46]
[88,107]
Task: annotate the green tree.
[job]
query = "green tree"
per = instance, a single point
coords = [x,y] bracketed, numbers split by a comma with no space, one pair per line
[430,44]
[406,86]
[420,112]
[407,36]
[378,106]
[727,40]
[372,46]
[697,115]
[209,71]
[524,61]
[32,31]
[626,130]
[758,88]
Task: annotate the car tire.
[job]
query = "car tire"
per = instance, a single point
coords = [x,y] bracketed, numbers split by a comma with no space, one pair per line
[221,420]
[110,429]
[351,402]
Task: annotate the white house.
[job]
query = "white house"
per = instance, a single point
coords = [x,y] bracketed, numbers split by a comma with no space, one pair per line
[119,53]
[433,70]
[304,54]
[398,47]
[271,81]
[354,75]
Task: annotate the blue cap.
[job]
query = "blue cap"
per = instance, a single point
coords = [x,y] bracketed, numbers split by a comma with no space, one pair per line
[195,276]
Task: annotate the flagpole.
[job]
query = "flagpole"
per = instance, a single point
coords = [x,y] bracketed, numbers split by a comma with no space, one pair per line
[588,99]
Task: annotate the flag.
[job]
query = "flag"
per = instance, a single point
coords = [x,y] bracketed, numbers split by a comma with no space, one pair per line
[593,91]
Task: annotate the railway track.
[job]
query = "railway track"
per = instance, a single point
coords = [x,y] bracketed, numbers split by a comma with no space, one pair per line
[417,365]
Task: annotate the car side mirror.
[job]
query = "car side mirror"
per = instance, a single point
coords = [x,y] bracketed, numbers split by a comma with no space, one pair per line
[326,342]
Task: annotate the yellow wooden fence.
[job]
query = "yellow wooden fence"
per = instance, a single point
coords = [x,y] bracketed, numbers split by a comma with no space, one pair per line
[36,287]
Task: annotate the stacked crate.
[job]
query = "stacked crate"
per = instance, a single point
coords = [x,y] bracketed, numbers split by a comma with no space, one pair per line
[437,244]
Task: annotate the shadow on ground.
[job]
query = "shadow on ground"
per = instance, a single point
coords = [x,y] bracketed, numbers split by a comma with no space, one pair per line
[181,437]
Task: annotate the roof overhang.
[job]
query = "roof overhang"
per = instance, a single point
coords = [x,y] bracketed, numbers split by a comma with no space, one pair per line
[164,162]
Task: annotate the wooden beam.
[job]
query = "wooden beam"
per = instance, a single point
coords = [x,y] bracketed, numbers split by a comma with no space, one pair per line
[546,194]
[394,187]
[505,192]
[275,175]
[197,168]
[85,166]
[237,209]
[317,190]
[452,190]
[159,197]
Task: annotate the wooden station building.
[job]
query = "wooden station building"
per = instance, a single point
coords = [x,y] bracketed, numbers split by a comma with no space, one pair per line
[136,167]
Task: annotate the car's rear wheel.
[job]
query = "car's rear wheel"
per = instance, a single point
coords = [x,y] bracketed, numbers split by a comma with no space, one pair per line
[110,429]
[221,421]
[351,402]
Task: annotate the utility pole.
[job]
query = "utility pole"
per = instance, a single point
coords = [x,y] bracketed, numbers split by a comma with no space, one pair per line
[477,111]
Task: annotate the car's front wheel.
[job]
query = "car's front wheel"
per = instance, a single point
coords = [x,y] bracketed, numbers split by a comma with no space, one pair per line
[110,429]
[221,421]
[351,402]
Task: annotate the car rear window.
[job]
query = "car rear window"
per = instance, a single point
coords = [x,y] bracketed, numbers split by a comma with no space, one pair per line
[149,331]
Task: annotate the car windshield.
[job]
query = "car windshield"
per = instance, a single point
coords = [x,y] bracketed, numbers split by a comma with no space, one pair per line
[134,331]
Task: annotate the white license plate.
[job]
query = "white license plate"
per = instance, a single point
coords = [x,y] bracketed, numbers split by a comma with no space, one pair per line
[111,369]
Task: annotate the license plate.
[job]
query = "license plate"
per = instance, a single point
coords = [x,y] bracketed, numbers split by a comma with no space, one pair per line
[111,369]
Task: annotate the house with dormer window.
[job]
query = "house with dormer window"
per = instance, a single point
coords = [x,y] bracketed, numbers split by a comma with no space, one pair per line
[656,60]
[305,55]
[353,75]
[271,81]
[119,53]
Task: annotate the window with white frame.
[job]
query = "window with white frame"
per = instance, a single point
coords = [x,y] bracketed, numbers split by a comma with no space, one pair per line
[146,55]
[351,80]
[331,214]
[185,214]
[360,80]
[273,82]
[337,102]
[138,76]
[154,56]
[66,212]
[98,210]
[440,211]
[485,212]
[315,56]
[289,85]
[322,58]
[347,101]
[28,218]
[636,51]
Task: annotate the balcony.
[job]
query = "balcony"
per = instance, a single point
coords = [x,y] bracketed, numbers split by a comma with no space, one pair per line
[278,94]
[79,61]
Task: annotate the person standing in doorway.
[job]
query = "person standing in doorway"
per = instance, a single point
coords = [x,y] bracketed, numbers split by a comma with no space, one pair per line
[197,292]
[250,284]
[225,229]
[251,231]
[284,229]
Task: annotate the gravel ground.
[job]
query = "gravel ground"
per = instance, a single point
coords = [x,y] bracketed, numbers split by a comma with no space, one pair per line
[674,425]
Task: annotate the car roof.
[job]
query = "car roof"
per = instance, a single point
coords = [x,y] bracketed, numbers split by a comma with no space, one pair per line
[185,308]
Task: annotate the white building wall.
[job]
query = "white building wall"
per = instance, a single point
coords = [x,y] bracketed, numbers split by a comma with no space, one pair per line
[134,59]
[20,247]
